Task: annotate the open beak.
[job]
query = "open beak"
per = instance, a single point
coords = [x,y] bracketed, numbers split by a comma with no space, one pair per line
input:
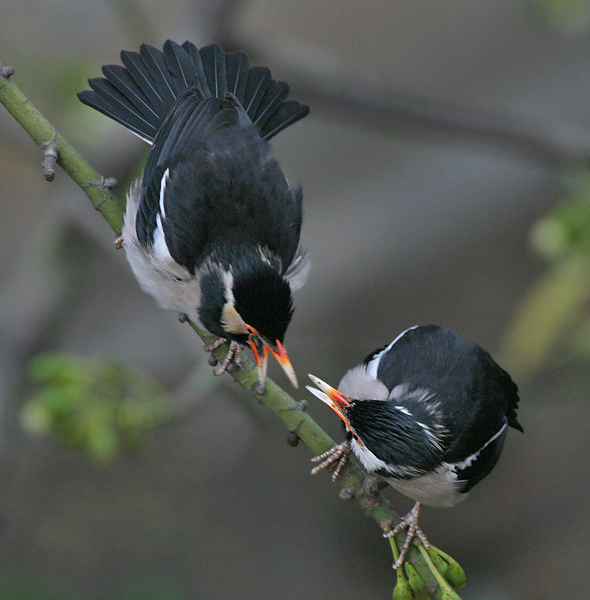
[336,400]
[260,350]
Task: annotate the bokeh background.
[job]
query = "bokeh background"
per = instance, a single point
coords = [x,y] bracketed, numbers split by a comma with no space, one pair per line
[444,175]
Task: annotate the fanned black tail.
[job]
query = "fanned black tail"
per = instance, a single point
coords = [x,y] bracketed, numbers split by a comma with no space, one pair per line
[140,94]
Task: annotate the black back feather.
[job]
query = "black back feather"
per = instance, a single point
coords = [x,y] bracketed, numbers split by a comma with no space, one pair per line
[208,115]
[476,397]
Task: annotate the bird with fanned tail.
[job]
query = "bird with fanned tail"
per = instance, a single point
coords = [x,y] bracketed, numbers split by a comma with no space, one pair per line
[212,227]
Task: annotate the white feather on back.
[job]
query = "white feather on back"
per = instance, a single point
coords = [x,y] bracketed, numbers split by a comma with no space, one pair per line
[373,365]
[157,272]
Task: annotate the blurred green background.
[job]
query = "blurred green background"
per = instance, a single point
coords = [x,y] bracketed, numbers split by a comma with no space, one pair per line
[445,176]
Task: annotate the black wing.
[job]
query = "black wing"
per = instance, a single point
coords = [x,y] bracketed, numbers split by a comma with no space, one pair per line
[477,395]
[210,178]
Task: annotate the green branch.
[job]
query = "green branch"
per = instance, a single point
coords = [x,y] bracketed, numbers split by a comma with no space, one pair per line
[96,187]
[298,422]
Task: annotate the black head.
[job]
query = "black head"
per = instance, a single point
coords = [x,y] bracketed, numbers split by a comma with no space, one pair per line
[396,437]
[263,300]
[386,438]
[250,305]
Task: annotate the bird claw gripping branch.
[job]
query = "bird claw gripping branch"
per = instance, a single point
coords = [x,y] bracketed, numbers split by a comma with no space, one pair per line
[338,454]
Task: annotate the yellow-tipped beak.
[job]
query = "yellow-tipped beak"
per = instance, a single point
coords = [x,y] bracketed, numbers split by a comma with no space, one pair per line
[261,350]
[283,360]
[328,395]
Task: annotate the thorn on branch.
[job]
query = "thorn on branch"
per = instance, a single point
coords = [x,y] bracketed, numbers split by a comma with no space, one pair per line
[347,493]
[371,485]
[370,498]
[301,405]
[386,525]
[298,405]
[50,153]
[258,388]
[6,71]
[293,439]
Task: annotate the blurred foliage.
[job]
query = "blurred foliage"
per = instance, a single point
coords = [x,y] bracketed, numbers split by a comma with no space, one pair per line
[101,407]
[554,314]
[566,230]
[568,16]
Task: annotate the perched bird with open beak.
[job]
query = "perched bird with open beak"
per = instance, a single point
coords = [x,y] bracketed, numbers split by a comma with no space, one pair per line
[428,413]
[211,228]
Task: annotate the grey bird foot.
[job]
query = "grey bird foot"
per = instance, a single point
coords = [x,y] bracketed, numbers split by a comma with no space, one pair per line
[409,522]
[119,242]
[232,361]
[338,454]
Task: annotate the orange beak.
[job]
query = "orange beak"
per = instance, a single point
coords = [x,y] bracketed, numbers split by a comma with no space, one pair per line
[336,400]
[260,350]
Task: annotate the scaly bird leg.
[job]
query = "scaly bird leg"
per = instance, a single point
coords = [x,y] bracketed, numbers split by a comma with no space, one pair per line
[232,359]
[338,454]
[409,522]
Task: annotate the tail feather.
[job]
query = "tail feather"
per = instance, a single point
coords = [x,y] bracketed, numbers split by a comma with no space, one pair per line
[156,66]
[258,82]
[213,58]
[195,57]
[275,93]
[180,65]
[287,113]
[140,94]
[143,78]
[237,68]
[108,100]
[124,83]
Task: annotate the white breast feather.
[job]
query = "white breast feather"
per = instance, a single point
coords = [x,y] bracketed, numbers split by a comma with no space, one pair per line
[439,488]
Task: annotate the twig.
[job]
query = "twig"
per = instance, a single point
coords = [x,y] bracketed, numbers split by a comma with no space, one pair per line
[275,398]
[49,160]
[73,163]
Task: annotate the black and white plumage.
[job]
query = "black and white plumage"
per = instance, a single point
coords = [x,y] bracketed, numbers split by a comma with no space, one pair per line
[212,228]
[429,413]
